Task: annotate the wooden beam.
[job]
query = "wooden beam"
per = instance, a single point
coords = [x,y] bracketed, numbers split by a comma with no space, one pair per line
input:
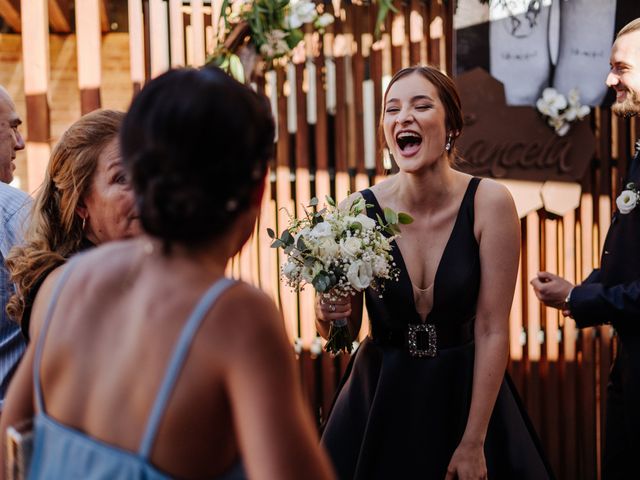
[59,16]
[10,12]
[105,24]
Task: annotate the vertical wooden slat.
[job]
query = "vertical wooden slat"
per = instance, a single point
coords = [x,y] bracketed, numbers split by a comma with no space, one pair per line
[285,207]
[35,48]
[176,25]
[136,44]
[159,37]
[356,163]
[303,194]
[89,43]
[533,323]
[549,358]
[197,32]
[415,32]
[397,40]
[341,124]
[321,175]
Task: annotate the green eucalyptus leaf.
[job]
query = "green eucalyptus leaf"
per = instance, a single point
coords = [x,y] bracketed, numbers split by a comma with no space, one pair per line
[286,237]
[271,233]
[404,218]
[313,202]
[288,249]
[300,245]
[331,201]
[310,261]
[321,282]
[390,216]
[277,243]
[380,221]
[235,68]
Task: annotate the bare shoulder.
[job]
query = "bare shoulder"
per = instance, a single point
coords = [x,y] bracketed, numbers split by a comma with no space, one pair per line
[492,194]
[246,317]
[494,201]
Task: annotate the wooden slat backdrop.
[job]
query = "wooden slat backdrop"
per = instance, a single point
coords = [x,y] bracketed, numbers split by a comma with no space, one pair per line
[322,102]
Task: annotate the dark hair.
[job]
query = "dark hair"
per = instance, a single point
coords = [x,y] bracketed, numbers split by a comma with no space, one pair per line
[447,93]
[197,144]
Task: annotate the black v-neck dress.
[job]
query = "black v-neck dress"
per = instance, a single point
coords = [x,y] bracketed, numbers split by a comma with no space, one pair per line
[401,416]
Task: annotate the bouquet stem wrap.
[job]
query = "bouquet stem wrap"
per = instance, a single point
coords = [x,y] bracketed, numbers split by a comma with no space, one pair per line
[340,340]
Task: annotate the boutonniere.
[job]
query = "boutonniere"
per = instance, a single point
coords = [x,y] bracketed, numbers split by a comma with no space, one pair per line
[628,199]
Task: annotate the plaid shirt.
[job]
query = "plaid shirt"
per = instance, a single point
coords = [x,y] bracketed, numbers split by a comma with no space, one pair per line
[14,208]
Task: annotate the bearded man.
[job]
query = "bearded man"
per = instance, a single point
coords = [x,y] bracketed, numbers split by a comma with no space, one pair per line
[611,294]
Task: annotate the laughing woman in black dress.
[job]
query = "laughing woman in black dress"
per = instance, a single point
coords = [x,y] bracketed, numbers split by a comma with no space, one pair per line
[439,408]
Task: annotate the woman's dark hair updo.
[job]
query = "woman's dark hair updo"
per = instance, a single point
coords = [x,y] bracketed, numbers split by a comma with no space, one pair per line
[197,144]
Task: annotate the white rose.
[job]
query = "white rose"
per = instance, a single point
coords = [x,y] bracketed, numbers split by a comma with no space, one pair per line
[360,275]
[627,201]
[326,247]
[322,229]
[304,233]
[366,222]
[350,247]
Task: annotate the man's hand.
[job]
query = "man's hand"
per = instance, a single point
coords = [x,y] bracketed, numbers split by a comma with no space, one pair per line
[552,290]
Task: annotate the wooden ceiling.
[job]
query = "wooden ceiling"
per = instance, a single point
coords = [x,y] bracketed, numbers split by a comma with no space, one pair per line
[60,15]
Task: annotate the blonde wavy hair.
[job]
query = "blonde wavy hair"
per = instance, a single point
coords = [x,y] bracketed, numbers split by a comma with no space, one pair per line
[55,230]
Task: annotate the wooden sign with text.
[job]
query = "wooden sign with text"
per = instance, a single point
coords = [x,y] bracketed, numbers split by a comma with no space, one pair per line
[500,141]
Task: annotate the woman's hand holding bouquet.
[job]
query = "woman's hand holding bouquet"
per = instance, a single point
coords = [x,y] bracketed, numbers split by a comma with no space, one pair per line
[340,251]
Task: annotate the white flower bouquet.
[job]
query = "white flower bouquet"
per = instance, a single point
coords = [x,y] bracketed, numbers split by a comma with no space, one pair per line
[339,251]
[559,110]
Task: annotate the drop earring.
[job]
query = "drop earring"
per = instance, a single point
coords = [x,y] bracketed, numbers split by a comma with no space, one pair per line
[84,222]
[447,147]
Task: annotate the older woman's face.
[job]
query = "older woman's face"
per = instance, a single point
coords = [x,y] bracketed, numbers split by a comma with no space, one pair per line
[110,207]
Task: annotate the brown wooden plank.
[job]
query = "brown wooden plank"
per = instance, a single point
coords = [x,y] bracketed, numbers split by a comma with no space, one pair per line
[397,37]
[447,17]
[358,69]
[376,73]
[10,12]
[415,21]
[543,362]
[105,24]
[38,123]
[340,125]
[89,100]
[59,19]
[434,43]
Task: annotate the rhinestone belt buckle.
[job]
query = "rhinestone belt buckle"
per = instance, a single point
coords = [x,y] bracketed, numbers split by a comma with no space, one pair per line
[416,339]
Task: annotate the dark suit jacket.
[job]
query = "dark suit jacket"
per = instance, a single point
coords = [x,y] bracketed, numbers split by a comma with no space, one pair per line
[611,294]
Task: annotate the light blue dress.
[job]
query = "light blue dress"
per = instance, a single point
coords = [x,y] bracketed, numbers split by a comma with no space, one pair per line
[61,452]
